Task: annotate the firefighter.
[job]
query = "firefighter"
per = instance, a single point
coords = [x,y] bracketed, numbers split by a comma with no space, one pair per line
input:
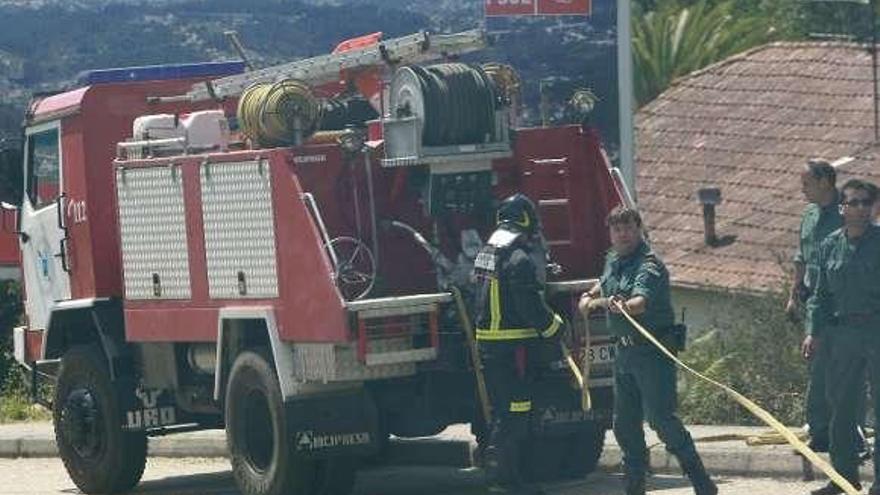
[844,306]
[644,379]
[513,325]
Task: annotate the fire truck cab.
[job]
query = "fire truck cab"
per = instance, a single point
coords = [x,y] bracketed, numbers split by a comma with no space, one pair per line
[286,254]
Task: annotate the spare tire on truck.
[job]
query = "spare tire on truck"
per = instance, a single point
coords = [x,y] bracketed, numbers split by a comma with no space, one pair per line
[99,455]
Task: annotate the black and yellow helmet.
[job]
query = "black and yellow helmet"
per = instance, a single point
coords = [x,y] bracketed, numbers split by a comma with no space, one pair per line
[518,211]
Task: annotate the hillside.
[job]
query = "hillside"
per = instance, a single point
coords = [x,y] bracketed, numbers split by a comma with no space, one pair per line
[44,44]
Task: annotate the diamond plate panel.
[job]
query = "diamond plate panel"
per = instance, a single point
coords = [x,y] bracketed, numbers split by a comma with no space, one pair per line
[239,230]
[335,362]
[152,224]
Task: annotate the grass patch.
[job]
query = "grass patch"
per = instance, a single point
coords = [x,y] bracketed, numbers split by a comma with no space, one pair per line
[17,407]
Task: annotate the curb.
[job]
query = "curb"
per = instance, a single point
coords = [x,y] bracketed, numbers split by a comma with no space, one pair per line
[401,452]
[458,453]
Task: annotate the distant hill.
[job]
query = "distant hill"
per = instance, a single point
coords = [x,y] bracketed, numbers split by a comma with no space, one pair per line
[44,44]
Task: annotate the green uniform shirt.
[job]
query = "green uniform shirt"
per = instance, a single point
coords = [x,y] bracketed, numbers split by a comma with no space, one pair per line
[639,274]
[847,291]
[816,223]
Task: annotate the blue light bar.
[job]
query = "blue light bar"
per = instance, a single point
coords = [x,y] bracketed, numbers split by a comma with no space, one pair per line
[160,72]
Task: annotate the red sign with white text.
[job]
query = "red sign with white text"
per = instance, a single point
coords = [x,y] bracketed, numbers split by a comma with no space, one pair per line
[564,7]
[511,7]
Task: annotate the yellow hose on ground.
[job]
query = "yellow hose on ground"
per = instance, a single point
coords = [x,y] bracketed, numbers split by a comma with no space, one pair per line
[279,114]
[753,408]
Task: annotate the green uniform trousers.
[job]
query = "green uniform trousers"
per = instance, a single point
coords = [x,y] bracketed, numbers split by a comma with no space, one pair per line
[818,408]
[852,352]
[645,389]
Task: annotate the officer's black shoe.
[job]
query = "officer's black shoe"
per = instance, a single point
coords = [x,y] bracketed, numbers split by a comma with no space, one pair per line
[694,469]
[832,489]
[705,487]
[634,485]
[818,444]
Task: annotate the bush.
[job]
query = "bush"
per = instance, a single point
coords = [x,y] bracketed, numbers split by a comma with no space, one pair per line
[10,315]
[14,404]
[753,348]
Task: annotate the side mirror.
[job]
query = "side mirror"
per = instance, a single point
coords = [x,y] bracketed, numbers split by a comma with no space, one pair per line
[11,171]
[11,153]
[6,210]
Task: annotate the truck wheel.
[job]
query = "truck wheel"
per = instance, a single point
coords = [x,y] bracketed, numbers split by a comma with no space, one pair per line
[541,457]
[571,456]
[582,452]
[263,462]
[99,455]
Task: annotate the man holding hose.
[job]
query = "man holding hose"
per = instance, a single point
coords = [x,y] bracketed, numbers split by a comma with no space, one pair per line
[644,380]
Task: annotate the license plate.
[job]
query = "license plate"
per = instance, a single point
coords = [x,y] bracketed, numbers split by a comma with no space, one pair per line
[602,353]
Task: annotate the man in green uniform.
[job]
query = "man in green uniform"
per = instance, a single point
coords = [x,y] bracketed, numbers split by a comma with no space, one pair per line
[844,307]
[644,379]
[820,218]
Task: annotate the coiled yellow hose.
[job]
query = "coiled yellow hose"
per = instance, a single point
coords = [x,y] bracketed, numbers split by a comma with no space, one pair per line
[279,114]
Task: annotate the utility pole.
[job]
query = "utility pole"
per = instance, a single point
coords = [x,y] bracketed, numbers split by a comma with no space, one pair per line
[625,95]
[873,5]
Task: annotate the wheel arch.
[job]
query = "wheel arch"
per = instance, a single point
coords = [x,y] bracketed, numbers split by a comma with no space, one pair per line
[243,328]
[86,321]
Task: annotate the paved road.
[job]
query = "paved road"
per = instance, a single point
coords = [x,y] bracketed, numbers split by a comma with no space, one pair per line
[212,476]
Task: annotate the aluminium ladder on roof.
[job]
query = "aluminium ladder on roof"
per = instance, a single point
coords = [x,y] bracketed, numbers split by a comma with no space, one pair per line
[410,49]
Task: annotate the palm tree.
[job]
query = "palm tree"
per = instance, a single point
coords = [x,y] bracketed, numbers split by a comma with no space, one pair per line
[672,42]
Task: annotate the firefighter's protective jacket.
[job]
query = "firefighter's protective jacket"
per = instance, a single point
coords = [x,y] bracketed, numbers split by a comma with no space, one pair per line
[510,301]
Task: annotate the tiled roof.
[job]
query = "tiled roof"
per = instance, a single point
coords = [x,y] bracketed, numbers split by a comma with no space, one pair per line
[747,125]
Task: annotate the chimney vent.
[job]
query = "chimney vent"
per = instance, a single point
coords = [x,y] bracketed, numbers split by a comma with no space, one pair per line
[709,197]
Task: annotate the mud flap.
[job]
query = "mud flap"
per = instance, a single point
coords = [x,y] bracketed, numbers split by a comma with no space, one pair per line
[333,425]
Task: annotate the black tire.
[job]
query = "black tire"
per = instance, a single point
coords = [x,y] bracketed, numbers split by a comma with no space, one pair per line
[541,457]
[571,456]
[583,451]
[99,455]
[263,461]
[256,432]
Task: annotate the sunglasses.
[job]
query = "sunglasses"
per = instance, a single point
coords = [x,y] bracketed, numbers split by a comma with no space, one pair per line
[858,202]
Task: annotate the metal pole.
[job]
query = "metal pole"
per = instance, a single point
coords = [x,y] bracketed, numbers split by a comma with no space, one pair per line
[625,94]
[873,5]
[232,36]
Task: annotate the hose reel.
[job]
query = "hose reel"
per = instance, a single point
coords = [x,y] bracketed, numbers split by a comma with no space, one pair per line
[454,103]
[284,113]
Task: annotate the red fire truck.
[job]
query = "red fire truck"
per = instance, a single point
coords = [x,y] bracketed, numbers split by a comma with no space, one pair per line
[283,252]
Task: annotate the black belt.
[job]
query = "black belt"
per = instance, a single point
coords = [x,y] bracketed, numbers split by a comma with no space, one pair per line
[673,338]
[631,341]
[854,318]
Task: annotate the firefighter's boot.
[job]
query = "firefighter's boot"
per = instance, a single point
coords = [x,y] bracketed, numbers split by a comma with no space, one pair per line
[502,458]
[694,469]
[634,485]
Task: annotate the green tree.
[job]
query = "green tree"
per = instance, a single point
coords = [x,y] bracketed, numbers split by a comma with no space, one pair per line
[673,41]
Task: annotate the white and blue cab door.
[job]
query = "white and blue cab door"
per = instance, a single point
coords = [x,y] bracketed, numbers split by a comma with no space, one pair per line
[43,225]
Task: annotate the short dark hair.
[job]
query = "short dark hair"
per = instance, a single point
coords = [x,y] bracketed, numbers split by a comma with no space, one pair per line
[821,169]
[861,185]
[623,214]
